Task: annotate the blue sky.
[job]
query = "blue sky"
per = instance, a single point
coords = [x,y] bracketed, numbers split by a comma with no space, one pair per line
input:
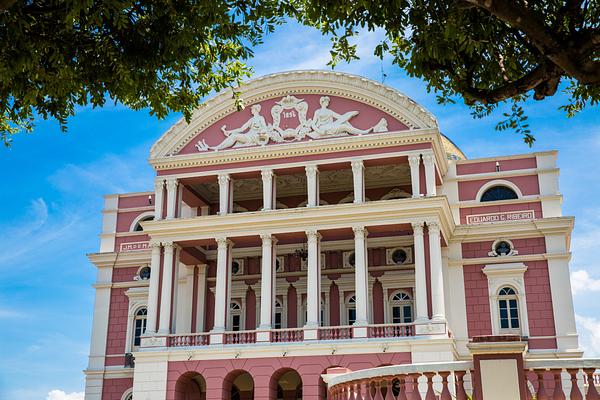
[52,188]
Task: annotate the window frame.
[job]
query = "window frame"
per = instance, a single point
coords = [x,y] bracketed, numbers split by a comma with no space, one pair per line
[392,303]
[498,182]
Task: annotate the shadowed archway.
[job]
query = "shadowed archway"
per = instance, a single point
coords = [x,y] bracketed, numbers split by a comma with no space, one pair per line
[286,384]
[238,385]
[190,386]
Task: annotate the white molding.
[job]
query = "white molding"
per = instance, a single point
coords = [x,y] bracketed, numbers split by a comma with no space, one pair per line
[138,298]
[498,182]
[508,274]
[127,393]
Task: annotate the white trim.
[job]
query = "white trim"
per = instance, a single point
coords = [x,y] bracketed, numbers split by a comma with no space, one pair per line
[139,218]
[498,182]
[509,274]
[390,252]
[512,251]
[127,393]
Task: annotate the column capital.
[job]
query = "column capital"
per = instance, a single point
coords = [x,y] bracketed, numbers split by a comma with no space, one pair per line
[360,231]
[357,165]
[414,160]
[428,158]
[171,246]
[172,183]
[268,239]
[433,227]
[223,242]
[159,183]
[311,169]
[267,173]
[313,234]
[154,244]
[223,179]
[417,228]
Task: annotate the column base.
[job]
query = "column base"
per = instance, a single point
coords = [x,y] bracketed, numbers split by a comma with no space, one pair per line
[263,335]
[360,331]
[430,328]
[154,341]
[311,332]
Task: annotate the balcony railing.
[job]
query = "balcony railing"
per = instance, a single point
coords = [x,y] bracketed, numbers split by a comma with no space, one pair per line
[287,335]
[336,332]
[545,380]
[391,330]
[239,337]
[402,382]
[197,339]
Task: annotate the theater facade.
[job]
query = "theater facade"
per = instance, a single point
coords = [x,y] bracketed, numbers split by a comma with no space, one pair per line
[327,241]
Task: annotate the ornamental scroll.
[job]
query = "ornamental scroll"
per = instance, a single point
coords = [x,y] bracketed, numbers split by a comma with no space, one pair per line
[325,123]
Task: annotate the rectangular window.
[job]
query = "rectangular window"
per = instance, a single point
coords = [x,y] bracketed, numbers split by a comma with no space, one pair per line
[351,316]
[277,320]
[407,314]
[235,323]
[396,315]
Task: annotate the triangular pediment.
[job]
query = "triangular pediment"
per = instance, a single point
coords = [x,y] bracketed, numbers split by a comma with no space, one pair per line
[294,107]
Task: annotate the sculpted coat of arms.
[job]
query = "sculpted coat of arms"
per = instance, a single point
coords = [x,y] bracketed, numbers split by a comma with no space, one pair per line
[324,123]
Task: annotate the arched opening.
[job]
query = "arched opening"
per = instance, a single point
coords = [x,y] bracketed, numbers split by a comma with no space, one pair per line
[190,386]
[499,192]
[286,384]
[137,227]
[238,385]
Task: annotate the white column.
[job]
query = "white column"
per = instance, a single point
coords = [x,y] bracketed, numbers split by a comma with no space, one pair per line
[429,161]
[437,279]
[223,283]
[225,195]
[200,297]
[184,297]
[312,181]
[159,186]
[268,181]
[164,324]
[313,289]
[420,294]
[560,289]
[361,275]
[153,289]
[267,281]
[171,197]
[415,161]
[358,177]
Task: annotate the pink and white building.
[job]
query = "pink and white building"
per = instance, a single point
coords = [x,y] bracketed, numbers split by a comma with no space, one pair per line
[327,241]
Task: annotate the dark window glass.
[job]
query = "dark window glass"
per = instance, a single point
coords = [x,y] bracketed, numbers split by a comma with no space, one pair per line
[140,326]
[399,256]
[235,267]
[145,273]
[499,193]
[235,323]
[278,320]
[351,316]
[407,314]
[352,259]
[502,248]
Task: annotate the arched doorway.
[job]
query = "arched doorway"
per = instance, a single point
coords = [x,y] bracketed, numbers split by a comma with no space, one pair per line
[190,386]
[238,385]
[286,384]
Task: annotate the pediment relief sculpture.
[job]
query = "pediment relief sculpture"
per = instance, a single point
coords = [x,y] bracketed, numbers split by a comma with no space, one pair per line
[325,123]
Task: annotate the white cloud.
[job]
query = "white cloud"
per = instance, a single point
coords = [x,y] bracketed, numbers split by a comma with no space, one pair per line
[60,395]
[582,282]
[589,335]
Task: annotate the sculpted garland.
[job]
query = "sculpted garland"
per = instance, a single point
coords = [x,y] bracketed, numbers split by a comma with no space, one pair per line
[324,123]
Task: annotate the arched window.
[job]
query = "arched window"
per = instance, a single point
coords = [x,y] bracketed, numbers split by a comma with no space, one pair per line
[235,316]
[499,192]
[401,308]
[139,326]
[138,226]
[508,307]
[278,320]
[351,309]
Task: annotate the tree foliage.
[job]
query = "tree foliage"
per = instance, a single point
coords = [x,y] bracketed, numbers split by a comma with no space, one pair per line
[485,51]
[166,55]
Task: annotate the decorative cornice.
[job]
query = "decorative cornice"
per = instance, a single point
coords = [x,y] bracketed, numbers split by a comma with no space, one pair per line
[338,84]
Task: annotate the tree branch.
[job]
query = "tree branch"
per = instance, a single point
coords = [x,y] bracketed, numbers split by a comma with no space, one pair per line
[567,57]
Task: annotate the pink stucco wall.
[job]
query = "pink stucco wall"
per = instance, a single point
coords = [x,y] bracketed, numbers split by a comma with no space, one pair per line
[477,301]
[525,206]
[117,321]
[378,303]
[490,166]
[539,300]
[124,274]
[262,370]
[527,246]
[139,200]
[528,185]
[367,117]
[113,389]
